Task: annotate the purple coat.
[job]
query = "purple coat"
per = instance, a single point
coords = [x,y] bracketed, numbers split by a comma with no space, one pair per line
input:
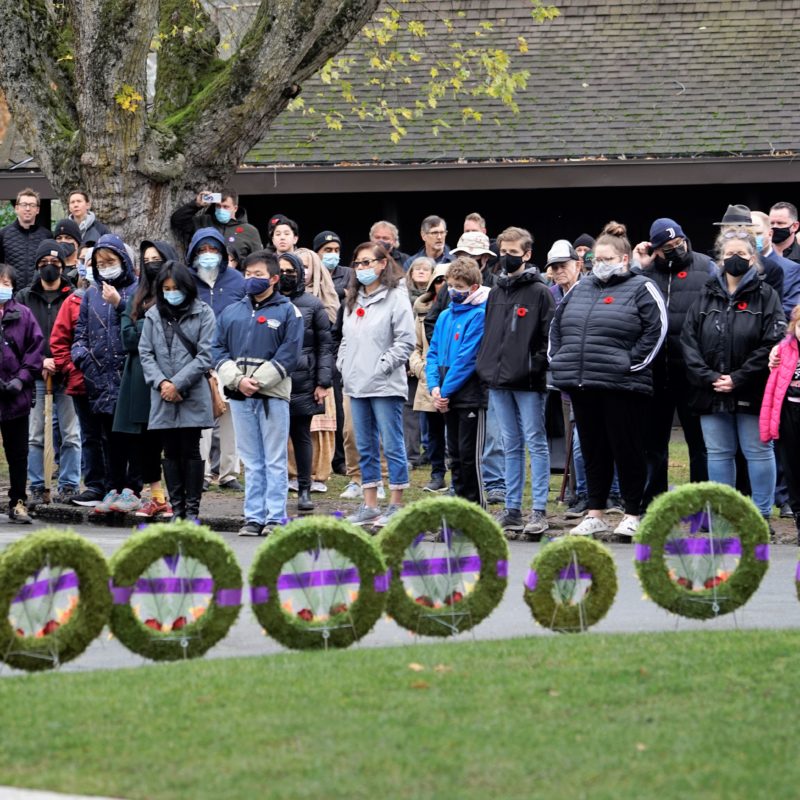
[21,356]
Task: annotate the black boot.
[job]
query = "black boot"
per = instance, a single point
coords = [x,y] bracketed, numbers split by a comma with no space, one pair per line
[304,501]
[173,475]
[194,473]
[797,525]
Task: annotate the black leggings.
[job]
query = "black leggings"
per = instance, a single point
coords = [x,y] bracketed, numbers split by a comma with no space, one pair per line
[181,444]
[788,446]
[147,449]
[121,457]
[15,445]
[300,434]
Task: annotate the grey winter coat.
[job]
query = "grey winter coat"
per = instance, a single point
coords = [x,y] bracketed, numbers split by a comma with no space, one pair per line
[173,362]
[377,339]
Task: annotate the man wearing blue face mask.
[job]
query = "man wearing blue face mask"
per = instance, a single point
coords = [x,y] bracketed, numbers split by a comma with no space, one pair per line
[219,286]
[226,216]
[328,246]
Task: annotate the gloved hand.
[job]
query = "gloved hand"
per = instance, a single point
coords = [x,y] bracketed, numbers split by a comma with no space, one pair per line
[14,386]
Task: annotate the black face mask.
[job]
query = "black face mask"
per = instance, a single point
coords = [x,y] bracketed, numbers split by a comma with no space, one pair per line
[780,235]
[288,285]
[67,249]
[510,264]
[676,256]
[49,273]
[152,268]
[736,266]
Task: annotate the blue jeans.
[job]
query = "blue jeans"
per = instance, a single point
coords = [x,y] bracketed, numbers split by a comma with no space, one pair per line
[262,439]
[521,418]
[69,472]
[722,432]
[379,421]
[493,463]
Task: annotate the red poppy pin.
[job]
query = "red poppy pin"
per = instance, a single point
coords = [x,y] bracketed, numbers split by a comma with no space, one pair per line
[608,300]
[457,335]
[360,312]
[522,312]
[682,275]
[741,306]
[240,230]
[261,320]
[66,289]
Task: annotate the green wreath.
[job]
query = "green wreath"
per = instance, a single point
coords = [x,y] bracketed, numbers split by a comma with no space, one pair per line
[460,611]
[63,639]
[725,594]
[569,559]
[166,541]
[342,623]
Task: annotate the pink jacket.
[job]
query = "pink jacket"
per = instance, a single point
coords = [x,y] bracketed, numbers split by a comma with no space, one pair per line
[775,391]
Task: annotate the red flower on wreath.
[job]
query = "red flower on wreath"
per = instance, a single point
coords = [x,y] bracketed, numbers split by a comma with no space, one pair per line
[261,320]
[306,614]
[741,306]
[153,623]
[682,274]
[179,623]
[608,300]
[360,312]
[522,312]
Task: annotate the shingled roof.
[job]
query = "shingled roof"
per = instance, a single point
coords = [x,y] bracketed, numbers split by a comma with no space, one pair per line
[615,79]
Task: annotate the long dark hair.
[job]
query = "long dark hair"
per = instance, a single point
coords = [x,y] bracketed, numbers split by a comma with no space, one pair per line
[144,297]
[183,280]
[389,277]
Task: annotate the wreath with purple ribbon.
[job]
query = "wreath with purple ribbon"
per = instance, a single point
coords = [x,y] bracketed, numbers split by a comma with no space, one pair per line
[571,584]
[177,590]
[318,582]
[448,562]
[707,523]
[38,578]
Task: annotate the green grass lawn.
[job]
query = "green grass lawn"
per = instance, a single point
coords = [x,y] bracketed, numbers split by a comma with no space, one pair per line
[602,716]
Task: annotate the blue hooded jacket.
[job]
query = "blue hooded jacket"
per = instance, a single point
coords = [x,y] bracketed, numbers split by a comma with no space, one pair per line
[97,347]
[228,287]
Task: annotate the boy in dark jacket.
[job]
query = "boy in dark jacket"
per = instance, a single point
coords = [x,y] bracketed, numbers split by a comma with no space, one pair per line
[513,362]
[453,383]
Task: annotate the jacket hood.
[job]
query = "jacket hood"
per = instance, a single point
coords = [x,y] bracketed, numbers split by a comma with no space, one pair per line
[528,275]
[167,251]
[750,277]
[478,297]
[292,258]
[207,233]
[110,241]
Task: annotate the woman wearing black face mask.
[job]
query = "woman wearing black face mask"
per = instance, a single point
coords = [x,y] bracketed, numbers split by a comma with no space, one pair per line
[726,342]
[312,379]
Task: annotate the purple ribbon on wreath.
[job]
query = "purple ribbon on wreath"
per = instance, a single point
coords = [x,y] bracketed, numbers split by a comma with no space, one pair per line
[69,580]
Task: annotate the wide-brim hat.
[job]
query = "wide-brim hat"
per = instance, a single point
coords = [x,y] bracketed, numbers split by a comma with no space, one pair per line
[736,215]
[473,243]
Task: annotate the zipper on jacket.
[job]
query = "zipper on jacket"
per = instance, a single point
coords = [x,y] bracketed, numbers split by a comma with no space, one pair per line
[583,338]
[666,338]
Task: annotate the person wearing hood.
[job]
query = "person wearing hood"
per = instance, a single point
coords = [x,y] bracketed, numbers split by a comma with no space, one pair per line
[21,356]
[99,353]
[454,384]
[45,296]
[80,212]
[258,345]
[680,273]
[132,413]
[227,217]
[175,352]
[313,375]
[218,286]
[726,341]
[61,339]
[512,362]
[20,240]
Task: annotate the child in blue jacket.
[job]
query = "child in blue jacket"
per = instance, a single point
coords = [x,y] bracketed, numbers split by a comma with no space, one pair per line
[456,389]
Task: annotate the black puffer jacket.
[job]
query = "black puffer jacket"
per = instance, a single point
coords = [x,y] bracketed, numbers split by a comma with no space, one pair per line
[43,309]
[731,335]
[18,247]
[606,335]
[513,353]
[341,277]
[680,286]
[315,367]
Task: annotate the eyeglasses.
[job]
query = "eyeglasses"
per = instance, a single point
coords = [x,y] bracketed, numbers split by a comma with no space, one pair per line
[27,205]
[736,233]
[437,234]
[364,263]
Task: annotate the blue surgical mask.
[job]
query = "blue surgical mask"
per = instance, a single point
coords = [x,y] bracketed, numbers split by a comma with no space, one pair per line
[331,260]
[457,296]
[366,276]
[223,215]
[6,293]
[759,242]
[174,296]
[256,286]
[208,261]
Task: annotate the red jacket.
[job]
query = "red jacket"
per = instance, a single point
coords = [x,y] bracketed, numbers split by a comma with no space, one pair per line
[61,343]
[775,391]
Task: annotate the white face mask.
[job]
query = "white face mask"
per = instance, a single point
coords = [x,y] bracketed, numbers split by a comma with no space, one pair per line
[110,273]
[605,271]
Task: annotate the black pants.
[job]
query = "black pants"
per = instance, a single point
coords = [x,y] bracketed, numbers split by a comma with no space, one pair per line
[338,461]
[15,446]
[658,430]
[611,429]
[181,444]
[147,449]
[120,457]
[436,443]
[411,429]
[300,434]
[94,473]
[466,428]
[788,447]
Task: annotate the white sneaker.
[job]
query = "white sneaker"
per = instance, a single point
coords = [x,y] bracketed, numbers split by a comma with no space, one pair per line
[352,491]
[381,492]
[628,527]
[293,485]
[590,526]
[318,486]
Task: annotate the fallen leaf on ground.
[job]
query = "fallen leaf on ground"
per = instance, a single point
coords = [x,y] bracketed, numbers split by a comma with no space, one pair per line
[641,747]
[414,667]
[420,685]
[442,668]
[553,692]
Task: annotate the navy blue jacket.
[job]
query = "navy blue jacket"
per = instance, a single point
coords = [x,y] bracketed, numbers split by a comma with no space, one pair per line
[228,287]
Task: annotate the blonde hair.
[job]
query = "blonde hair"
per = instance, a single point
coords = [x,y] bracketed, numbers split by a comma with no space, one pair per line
[514,234]
[615,235]
[465,269]
[794,318]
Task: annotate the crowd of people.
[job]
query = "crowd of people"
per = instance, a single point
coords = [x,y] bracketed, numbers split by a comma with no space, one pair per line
[169,371]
